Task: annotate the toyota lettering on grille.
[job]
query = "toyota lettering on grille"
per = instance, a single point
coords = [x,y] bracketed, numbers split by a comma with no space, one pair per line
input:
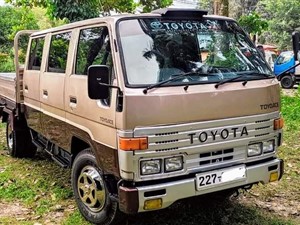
[224,134]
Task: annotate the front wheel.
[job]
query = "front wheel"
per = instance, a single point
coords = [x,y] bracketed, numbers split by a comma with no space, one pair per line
[91,193]
[287,82]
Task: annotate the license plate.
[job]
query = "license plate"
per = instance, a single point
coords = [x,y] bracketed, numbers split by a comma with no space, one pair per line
[219,177]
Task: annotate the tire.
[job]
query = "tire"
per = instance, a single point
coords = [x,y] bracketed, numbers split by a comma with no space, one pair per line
[19,142]
[287,82]
[91,192]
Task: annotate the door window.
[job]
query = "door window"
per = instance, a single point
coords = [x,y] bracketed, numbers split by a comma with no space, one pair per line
[36,53]
[58,54]
[94,49]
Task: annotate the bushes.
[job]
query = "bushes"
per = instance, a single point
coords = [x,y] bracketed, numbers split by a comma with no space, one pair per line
[6,63]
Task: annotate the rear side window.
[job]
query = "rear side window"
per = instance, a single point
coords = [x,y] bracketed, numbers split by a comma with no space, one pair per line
[93,49]
[36,53]
[58,53]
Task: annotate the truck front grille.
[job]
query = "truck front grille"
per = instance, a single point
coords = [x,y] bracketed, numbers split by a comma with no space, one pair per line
[216,156]
[208,145]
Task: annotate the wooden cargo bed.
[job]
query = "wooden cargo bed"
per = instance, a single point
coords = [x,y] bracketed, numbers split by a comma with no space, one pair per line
[8,89]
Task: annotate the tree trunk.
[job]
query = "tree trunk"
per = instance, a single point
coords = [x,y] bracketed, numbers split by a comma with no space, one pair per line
[225,8]
[221,7]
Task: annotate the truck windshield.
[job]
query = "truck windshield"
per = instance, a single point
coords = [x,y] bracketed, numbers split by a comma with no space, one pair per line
[156,49]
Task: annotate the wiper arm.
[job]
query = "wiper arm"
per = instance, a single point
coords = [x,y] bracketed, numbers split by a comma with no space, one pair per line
[174,77]
[229,80]
[246,73]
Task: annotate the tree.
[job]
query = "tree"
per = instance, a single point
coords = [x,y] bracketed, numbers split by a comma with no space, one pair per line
[149,5]
[220,7]
[11,21]
[240,8]
[207,5]
[253,24]
[284,18]
[85,9]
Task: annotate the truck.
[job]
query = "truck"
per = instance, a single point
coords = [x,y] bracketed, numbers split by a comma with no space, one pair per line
[286,66]
[146,109]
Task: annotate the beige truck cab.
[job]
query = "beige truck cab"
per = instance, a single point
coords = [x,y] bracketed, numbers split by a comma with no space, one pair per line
[146,109]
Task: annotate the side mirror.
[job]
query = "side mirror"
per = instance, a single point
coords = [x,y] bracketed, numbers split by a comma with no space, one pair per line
[296,44]
[98,82]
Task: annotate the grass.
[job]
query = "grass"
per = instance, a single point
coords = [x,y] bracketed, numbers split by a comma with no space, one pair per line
[44,189]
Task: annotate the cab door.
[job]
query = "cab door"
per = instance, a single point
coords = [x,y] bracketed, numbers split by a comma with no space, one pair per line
[31,81]
[52,91]
[95,117]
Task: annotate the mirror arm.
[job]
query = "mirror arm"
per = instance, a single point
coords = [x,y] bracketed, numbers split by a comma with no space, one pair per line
[120,93]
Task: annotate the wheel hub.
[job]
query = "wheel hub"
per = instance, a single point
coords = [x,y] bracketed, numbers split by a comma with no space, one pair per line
[10,137]
[91,188]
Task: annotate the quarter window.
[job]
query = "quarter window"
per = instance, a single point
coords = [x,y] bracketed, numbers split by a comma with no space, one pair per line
[58,54]
[36,53]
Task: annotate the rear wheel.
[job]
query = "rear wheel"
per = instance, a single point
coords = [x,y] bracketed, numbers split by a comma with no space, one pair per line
[287,82]
[19,142]
[91,193]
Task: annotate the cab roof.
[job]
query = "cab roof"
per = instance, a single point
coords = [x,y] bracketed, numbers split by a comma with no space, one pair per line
[164,13]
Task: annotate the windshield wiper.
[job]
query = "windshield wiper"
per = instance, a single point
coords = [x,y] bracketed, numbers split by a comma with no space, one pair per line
[174,77]
[229,80]
[246,73]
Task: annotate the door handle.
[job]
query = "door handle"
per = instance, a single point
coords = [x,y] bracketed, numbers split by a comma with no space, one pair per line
[73,100]
[26,87]
[45,94]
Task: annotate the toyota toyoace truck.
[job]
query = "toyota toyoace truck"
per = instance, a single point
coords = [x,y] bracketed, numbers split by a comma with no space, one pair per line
[146,109]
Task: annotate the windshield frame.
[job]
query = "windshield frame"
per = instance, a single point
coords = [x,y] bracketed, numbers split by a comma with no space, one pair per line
[147,16]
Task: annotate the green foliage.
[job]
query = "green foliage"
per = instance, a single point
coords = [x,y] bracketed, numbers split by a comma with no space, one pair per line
[29,3]
[206,5]
[253,23]
[283,17]
[231,60]
[11,188]
[149,5]
[82,9]
[43,21]
[6,63]
[291,112]
[11,21]
[75,218]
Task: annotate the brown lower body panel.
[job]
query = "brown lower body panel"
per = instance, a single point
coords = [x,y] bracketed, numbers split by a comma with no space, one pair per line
[61,134]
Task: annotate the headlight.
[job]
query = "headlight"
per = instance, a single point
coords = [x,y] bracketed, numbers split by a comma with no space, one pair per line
[254,149]
[268,146]
[173,164]
[151,167]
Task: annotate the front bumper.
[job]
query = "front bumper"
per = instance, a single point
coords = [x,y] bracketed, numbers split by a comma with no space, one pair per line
[132,199]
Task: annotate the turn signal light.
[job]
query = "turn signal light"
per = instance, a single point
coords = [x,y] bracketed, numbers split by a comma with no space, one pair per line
[152,204]
[278,123]
[274,176]
[130,144]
